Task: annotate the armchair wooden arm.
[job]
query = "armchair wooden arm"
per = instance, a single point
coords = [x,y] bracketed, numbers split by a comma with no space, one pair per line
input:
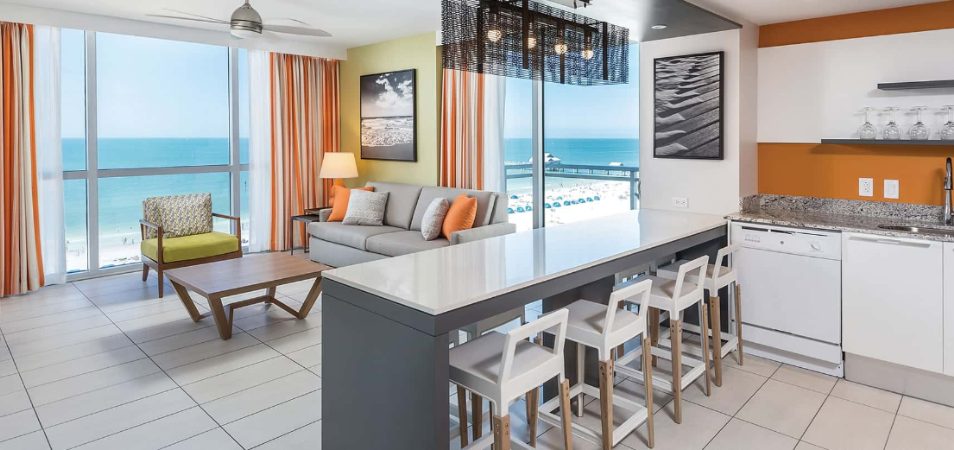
[143,224]
[236,220]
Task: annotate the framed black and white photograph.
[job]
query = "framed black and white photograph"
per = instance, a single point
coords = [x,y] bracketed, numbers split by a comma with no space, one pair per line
[388,122]
[688,99]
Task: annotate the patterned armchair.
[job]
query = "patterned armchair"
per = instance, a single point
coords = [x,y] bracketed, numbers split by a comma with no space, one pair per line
[177,232]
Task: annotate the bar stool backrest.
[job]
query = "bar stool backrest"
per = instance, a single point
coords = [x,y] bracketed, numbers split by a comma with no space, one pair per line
[556,319]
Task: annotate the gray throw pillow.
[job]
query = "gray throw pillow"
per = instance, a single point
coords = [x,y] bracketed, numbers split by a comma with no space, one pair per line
[434,218]
[366,208]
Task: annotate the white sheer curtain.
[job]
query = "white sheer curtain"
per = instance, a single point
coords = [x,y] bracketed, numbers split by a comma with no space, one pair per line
[495,95]
[49,153]
[260,135]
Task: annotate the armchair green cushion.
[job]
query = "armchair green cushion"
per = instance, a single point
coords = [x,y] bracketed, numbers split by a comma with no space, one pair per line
[187,248]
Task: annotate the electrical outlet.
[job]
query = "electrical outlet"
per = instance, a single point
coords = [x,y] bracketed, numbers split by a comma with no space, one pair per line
[892,189]
[866,187]
[680,202]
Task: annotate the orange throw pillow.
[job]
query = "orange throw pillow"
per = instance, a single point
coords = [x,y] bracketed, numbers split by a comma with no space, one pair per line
[460,216]
[340,206]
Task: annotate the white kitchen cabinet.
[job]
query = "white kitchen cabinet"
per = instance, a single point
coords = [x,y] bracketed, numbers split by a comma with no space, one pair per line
[949,309]
[892,303]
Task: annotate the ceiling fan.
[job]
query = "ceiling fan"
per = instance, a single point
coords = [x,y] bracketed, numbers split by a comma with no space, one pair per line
[246,23]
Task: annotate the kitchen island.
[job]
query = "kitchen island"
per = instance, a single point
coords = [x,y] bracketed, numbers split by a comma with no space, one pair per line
[386,323]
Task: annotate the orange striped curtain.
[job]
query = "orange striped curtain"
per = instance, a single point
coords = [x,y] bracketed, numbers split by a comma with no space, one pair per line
[21,260]
[304,120]
[462,130]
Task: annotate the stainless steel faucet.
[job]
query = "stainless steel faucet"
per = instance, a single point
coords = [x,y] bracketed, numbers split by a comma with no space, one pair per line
[948,186]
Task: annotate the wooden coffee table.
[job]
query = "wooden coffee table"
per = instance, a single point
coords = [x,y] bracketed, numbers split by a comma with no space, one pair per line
[242,275]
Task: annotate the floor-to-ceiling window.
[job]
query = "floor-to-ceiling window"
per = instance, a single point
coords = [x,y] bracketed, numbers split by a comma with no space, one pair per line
[146,117]
[588,144]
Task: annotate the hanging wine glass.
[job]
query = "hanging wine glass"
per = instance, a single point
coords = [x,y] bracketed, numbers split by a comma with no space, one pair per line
[919,131]
[891,132]
[947,131]
[868,130]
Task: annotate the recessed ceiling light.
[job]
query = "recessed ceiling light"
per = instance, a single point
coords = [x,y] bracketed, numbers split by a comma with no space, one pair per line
[659,27]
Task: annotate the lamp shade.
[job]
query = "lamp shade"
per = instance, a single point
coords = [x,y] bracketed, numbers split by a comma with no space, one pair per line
[338,165]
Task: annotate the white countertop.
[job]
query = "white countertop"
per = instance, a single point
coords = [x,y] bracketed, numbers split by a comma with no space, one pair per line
[442,280]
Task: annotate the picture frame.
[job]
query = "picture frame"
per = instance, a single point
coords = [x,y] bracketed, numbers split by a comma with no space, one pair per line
[688,106]
[388,116]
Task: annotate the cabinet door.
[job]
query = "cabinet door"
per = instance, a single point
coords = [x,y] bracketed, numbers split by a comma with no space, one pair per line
[949,308]
[893,301]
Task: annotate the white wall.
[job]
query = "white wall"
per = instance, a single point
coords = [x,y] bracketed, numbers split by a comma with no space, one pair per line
[64,19]
[711,186]
[812,91]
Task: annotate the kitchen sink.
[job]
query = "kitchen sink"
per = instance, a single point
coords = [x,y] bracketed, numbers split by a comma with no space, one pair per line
[918,230]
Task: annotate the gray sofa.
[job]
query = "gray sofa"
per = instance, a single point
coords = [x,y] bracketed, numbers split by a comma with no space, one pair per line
[339,245]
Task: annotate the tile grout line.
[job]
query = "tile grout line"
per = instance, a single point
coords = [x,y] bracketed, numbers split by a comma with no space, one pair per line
[170,379]
[286,434]
[29,397]
[733,416]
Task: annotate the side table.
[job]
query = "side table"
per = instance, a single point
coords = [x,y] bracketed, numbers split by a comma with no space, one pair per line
[306,219]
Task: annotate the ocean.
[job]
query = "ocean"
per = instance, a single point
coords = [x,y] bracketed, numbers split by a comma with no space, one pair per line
[120,198]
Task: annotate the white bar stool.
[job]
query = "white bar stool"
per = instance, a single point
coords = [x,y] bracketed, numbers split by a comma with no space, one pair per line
[503,367]
[714,281]
[605,327]
[473,331]
[674,297]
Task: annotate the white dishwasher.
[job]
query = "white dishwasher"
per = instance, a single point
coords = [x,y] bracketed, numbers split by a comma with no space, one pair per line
[791,294]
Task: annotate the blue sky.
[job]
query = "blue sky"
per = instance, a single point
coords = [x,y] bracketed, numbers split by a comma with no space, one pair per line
[578,111]
[150,87]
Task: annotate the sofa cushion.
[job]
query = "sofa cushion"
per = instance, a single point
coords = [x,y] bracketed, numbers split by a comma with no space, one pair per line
[187,248]
[403,243]
[354,236]
[485,203]
[366,208]
[401,202]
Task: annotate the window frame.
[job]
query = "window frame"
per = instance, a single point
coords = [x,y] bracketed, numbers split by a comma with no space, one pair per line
[92,174]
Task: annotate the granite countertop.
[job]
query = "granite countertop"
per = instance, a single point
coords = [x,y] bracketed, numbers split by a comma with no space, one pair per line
[863,217]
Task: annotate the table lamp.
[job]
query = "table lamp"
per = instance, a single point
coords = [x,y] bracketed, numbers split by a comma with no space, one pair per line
[338,166]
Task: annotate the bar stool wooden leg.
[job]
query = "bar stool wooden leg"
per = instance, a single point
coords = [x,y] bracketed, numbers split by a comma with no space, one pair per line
[606,402]
[493,424]
[715,315]
[501,431]
[477,415]
[533,410]
[675,328]
[648,383]
[704,321]
[580,376]
[462,413]
[738,319]
[565,414]
[654,330]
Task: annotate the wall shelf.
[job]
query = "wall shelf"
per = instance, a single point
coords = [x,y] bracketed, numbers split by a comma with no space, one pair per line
[884,142]
[910,85]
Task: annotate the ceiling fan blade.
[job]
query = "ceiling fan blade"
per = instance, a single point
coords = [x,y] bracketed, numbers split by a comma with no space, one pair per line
[299,22]
[166,16]
[185,15]
[297,30]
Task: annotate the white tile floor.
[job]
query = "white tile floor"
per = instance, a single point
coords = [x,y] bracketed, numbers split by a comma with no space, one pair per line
[105,364]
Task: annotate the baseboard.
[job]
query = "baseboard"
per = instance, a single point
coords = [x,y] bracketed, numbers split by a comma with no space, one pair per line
[930,386]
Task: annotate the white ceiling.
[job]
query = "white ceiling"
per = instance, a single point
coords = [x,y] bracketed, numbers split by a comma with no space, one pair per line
[762,12]
[359,22]
[352,22]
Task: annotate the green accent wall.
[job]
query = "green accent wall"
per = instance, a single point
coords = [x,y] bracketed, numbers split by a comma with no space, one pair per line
[419,52]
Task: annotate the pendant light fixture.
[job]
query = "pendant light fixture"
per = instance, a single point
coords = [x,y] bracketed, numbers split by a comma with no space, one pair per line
[527,39]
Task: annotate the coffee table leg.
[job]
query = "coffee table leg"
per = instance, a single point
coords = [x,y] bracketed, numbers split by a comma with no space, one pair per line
[270,293]
[310,299]
[187,301]
[223,323]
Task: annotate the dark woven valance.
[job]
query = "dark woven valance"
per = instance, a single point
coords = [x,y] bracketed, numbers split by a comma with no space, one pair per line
[526,39]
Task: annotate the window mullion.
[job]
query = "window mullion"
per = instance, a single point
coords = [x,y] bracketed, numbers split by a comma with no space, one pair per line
[92,161]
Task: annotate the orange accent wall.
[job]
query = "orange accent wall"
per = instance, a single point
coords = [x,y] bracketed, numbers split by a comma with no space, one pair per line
[908,19]
[832,171]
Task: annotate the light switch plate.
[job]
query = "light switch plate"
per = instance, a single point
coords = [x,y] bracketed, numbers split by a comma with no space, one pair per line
[866,187]
[680,202]
[892,189]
